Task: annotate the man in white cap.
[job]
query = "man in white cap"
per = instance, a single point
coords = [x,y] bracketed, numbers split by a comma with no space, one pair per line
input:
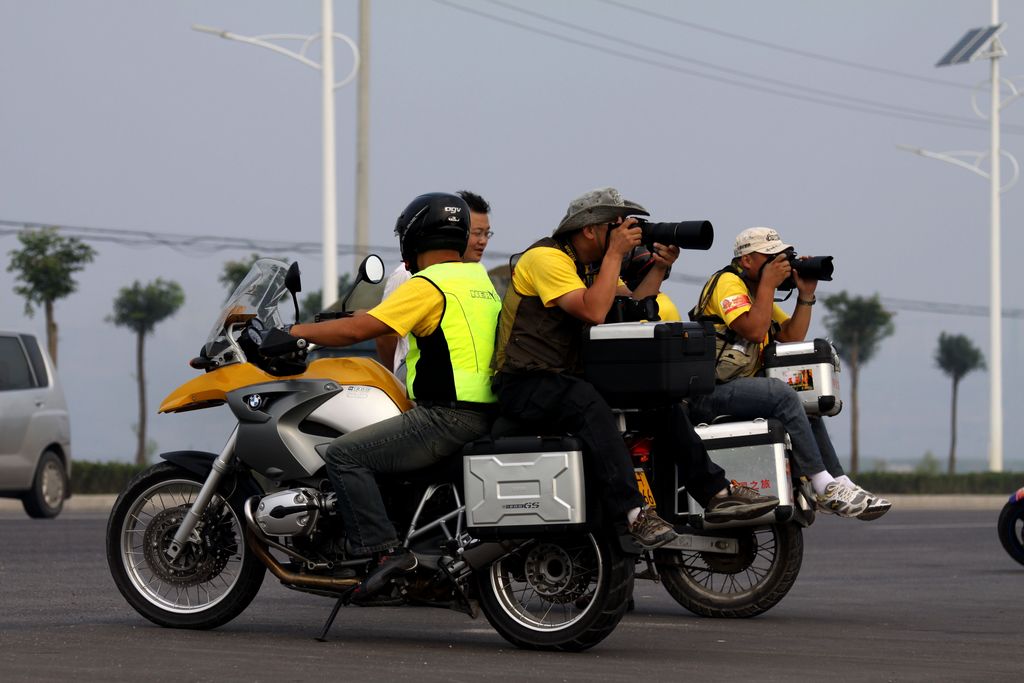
[561,284]
[740,301]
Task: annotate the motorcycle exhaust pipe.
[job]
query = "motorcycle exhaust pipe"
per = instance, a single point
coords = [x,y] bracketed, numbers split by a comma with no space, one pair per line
[291,578]
[483,554]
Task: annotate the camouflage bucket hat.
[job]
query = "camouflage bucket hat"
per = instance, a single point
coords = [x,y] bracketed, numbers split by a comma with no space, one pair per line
[602,205]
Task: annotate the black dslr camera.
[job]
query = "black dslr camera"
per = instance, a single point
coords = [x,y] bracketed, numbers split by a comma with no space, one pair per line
[812,268]
[628,310]
[685,234]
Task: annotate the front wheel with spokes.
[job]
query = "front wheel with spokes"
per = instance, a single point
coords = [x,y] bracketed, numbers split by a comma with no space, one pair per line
[211,580]
[742,585]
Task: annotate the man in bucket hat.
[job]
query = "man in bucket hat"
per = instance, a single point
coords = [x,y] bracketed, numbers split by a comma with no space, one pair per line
[740,300]
[561,284]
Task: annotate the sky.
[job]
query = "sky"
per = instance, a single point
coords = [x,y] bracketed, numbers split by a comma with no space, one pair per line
[115,114]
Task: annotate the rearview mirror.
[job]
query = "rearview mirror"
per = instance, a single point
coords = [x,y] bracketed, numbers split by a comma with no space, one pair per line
[293,283]
[293,278]
[372,269]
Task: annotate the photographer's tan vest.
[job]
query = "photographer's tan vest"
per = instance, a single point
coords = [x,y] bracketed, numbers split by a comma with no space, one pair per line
[734,356]
[533,337]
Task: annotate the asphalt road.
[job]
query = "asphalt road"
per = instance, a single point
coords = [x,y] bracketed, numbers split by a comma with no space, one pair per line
[918,595]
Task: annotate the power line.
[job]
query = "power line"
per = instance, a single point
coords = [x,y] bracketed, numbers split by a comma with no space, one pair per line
[845,102]
[785,48]
[946,308]
[184,243]
[208,243]
[913,305]
[736,72]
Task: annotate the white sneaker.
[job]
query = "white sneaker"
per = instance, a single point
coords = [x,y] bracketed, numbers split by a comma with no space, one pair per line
[877,506]
[839,499]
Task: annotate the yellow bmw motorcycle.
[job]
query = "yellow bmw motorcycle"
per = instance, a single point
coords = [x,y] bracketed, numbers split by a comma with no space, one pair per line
[505,529]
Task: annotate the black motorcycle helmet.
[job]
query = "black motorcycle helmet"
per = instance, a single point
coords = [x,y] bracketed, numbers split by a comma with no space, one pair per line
[436,220]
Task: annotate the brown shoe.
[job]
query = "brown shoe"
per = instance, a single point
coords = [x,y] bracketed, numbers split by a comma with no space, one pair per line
[650,531]
[739,504]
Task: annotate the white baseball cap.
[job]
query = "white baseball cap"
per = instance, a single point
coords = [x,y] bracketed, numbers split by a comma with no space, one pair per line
[758,240]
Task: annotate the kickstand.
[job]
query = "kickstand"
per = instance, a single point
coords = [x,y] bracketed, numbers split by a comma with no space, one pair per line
[650,572]
[343,599]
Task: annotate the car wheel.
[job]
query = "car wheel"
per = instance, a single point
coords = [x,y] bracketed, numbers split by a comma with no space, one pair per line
[45,499]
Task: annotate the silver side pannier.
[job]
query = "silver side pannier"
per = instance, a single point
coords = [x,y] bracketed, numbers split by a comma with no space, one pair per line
[524,482]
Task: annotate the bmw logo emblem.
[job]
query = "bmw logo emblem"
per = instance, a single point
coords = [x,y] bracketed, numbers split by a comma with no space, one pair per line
[254,401]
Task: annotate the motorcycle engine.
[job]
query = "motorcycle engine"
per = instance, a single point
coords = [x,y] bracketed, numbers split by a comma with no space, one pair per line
[289,513]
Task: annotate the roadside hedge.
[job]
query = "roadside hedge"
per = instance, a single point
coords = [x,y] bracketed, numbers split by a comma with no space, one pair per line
[101,477]
[112,477]
[970,482]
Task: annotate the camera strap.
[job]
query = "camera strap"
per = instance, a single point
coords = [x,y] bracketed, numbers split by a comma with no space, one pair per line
[723,332]
[697,313]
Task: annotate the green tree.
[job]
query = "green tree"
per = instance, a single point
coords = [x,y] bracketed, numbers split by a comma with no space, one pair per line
[857,326]
[233,272]
[956,356]
[929,465]
[140,308]
[44,265]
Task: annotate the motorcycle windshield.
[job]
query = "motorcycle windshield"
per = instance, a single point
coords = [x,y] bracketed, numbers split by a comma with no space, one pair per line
[257,296]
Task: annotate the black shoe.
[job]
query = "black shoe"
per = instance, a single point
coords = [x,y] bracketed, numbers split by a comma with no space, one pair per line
[392,563]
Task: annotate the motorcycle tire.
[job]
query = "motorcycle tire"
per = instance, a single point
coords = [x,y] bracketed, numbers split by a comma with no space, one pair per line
[214,577]
[735,586]
[1011,530]
[566,593]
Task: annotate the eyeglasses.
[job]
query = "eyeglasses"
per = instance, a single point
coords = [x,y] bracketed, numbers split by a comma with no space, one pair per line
[482,233]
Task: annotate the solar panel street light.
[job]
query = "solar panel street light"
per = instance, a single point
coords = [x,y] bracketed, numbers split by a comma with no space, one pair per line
[969,47]
[984,43]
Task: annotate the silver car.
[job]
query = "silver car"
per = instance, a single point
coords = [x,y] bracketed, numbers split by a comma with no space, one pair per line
[35,434]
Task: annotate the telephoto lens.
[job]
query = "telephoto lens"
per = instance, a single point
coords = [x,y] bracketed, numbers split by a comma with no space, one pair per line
[685,234]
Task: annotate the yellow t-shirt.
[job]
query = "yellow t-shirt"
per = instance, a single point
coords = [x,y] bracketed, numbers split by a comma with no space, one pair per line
[667,310]
[416,307]
[732,298]
[547,273]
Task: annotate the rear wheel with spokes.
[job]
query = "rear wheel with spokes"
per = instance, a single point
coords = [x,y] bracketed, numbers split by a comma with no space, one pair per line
[212,579]
[742,585]
[565,593]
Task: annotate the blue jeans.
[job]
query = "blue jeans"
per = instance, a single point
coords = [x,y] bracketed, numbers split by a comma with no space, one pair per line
[751,397]
[406,442]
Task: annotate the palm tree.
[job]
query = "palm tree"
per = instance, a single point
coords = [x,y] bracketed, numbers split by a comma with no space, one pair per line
[956,356]
[140,308]
[45,265]
[857,325]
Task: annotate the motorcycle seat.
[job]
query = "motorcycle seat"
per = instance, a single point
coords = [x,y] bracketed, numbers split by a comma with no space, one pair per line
[508,426]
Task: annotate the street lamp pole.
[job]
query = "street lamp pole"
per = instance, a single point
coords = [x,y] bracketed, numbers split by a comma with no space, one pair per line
[970,47]
[363,137]
[995,448]
[329,289]
[329,286]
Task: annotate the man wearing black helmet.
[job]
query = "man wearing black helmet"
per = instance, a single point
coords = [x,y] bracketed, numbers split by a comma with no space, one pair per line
[392,349]
[449,310]
[561,284]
